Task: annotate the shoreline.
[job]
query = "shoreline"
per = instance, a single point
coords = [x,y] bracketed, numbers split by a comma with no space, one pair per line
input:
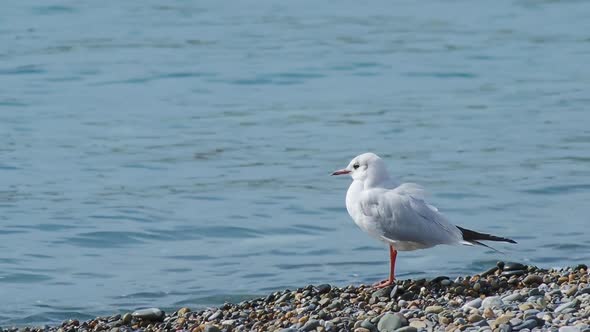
[507,297]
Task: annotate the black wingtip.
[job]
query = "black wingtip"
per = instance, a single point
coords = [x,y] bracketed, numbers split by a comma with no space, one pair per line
[473,236]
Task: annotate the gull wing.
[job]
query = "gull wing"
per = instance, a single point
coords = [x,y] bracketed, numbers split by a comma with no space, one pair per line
[402,214]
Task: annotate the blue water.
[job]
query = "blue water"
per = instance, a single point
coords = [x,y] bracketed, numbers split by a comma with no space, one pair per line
[172,153]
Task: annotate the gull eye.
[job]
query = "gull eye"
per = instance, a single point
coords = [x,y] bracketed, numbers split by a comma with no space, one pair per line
[355,166]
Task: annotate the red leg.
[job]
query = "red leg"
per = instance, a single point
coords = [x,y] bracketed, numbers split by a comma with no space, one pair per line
[391,280]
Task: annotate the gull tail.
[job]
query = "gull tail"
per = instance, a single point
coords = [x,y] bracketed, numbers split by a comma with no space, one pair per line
[473,237]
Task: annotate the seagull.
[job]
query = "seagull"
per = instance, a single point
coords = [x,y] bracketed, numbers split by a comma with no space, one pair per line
[398,214]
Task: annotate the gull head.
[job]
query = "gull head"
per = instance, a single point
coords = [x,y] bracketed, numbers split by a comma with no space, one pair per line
[366,167]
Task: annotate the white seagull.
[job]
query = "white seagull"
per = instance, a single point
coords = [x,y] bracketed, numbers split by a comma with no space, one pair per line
[398,214]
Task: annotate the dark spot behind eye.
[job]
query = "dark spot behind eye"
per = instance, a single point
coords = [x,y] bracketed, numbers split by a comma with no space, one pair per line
[355,166]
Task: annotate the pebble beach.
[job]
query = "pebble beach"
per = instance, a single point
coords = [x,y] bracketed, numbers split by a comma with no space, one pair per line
[507,297]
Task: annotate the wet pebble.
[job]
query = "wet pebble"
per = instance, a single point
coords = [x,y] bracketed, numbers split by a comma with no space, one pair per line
[150,314]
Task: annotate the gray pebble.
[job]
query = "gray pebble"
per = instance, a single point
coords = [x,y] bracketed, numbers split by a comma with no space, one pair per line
[284,298]
[476,303]
[329,326]
[391,322]
[368,325]
[393,292]
[566,305]
[482,323]
[216,315]
[311,325]
[569,329]
[513,297]
[323,288]
[383,292]
[151,314]
[530,313]
[407,329]
[211,328]
[492,302]
[535,292]
[528,324]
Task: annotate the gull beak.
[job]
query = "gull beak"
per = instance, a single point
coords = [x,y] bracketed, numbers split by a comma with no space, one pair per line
[341,171]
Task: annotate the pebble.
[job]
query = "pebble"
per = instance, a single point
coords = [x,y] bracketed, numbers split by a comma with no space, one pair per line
[489,313]
[394,291]
[434,309]
[476,303]
[513,266]
[571,291]
[150,314]
[565,306]
[183,311]
[418,324]
[323,288]
[383,292]
[216,315]
[446,282]
[513,273]
[531,313]
[391,322]
[126,319]
[532,279]
[310,325]
[513,297]
[503,319]
[361,329]
[492,302]
[569,329]
[528,324]
[368,325]
[407,329]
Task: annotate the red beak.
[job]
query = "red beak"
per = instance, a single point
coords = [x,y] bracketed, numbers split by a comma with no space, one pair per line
[341,171]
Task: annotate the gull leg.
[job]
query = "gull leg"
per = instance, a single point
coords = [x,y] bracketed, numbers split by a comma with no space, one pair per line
[391,280]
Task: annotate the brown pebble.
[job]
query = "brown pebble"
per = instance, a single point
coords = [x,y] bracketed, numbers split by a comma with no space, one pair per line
[183,311]
[532,279]
[489,313]
[474,318]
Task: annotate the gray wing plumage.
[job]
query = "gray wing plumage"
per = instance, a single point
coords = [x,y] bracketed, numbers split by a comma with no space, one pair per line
[402,215]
